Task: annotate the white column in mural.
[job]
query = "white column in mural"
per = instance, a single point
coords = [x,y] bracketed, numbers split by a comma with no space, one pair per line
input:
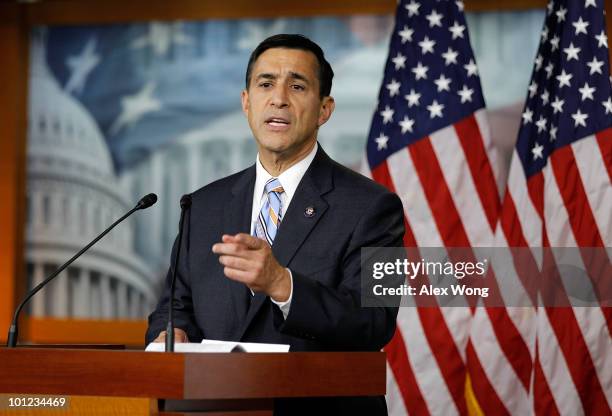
[155,219]
[122,299]
[37,210]
[96,301]
[82,294]
[106,297]
[133,303]
[59,299]
[38,302]
[141,305]
[193,166]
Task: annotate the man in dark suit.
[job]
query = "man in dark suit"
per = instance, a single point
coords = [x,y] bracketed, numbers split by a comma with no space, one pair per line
[272,253]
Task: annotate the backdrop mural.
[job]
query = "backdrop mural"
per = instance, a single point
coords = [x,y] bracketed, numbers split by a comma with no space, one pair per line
[118,111]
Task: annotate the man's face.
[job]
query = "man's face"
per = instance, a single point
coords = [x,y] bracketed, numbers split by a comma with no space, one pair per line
[282,102]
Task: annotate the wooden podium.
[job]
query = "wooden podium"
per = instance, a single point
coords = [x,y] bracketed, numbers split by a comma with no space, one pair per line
[187,383]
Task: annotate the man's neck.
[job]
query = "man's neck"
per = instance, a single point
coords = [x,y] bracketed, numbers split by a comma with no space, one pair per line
[277,163]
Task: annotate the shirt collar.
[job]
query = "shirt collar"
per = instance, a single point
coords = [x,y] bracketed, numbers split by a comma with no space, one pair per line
[289,179]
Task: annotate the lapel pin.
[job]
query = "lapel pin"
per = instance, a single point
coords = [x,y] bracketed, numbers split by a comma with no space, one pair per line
[309,212]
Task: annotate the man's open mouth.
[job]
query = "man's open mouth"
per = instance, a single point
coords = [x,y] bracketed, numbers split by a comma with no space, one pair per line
[277,121]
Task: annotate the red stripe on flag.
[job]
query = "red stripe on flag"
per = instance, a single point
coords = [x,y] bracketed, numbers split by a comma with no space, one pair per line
[397,355]
[485,393]
[381,175]
[573,346]
[604,139]
[578,359]
[544,403]
[447,355]
[438,196]
[480,167]
[574,198]
[535,188]
[510,223]
[512,344]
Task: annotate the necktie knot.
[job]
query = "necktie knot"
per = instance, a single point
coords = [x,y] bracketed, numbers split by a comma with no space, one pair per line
[274,185]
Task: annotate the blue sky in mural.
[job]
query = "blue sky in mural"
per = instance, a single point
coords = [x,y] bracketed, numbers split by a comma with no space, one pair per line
[147,83]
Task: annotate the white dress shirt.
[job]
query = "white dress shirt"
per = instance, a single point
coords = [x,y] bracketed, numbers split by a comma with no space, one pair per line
[289,179]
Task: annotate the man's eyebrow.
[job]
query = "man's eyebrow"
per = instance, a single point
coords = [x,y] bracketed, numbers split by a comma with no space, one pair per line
[293,75]
[267,75]
[297,75]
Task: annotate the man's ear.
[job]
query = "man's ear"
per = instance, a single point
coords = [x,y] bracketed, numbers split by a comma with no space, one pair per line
[244,98]
[327,108]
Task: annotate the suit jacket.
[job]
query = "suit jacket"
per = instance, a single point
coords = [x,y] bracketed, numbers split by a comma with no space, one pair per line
[322,251]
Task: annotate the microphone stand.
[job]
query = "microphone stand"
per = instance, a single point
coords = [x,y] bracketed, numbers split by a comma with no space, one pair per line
[185,204]
[13,333]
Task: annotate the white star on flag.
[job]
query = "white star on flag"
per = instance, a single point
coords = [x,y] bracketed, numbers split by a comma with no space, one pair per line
[549,70]
[134,107]
[387,114]
[537,151]
[538,62]
[554,43]
[161,36]
[541,124]
[413,8]
[443,83]
[427,45]
[580,26]
[406,34]
[471,68]
[572,52]
[527,116]
[406,124]
[586,91]
[420,71]
[588,3]
[457,30]
[553,133]
[557,105]
[393,87]
[381,141]
[579,118]
[81,66]
[399,61]
[412,98]
[602,40]
[607,105]
[533,89]
[545,96]
[435,109]
[450,56]
[466,94]
[564,78]
[435,19]
[561,14]
[595,66]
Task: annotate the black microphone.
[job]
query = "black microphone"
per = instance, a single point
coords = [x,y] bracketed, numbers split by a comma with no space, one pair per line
[185,204]
[145,202]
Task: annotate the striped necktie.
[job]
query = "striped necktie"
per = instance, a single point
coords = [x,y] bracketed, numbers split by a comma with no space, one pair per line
[271,212]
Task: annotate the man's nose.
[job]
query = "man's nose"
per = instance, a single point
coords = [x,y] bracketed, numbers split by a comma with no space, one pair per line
[280,97]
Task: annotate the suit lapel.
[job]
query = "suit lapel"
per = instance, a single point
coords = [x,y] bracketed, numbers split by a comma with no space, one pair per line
[237,219]
[307,207]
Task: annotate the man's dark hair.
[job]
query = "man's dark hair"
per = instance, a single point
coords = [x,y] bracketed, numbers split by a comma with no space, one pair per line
[301,42]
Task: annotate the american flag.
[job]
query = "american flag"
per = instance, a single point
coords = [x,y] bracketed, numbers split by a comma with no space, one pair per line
[430,143]
[559,194]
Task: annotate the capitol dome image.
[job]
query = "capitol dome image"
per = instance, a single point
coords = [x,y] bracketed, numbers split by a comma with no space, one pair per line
[72,196]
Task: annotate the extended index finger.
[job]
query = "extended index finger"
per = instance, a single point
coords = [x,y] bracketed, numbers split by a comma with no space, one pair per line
[250,241]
